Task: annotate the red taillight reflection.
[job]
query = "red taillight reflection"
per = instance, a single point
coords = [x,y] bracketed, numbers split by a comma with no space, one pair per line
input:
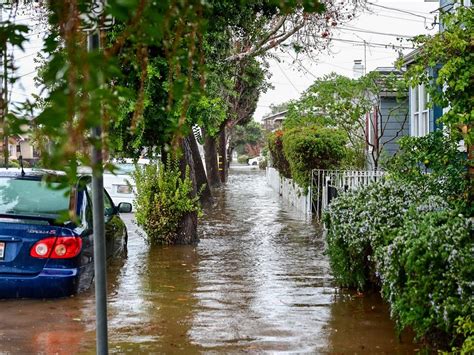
[57,248]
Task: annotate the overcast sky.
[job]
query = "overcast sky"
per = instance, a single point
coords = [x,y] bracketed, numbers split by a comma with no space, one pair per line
[290,79]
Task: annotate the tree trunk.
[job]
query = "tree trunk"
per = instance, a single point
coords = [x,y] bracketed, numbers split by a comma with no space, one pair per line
[201,178]
[223,154]
[210,155]
[187,229]
[470,186]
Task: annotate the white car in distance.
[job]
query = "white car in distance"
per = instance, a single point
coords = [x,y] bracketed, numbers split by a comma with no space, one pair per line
[255,161]
[120,185]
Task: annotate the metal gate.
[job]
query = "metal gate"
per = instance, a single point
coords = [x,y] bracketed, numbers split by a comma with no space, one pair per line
[327,184]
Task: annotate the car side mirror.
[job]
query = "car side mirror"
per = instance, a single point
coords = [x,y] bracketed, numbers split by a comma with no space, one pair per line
[125,207]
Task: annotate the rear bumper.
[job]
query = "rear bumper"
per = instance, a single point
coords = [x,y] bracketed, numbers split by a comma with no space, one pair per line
[50,283]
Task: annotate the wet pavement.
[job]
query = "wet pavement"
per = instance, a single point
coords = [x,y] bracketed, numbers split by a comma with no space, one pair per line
[258,282]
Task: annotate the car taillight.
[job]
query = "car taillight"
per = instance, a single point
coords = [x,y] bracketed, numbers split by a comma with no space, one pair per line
[57,248]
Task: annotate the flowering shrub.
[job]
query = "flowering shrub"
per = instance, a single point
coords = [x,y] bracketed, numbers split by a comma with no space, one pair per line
[415,246]
[358,223]
[427,272]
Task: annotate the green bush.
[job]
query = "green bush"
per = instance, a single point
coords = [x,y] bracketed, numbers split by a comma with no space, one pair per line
[464,328]
[11,163]
[263,164]
[427,272]
[416,247]
[309,148]
[410,235]
[355,157]
[433,163]
[360,221]
[275,147]
[163,199]
[243,159]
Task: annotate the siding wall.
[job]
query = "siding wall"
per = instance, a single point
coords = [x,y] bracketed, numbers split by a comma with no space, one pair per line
[395,117]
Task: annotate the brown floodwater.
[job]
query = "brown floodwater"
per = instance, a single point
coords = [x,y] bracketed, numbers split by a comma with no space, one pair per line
[258,282]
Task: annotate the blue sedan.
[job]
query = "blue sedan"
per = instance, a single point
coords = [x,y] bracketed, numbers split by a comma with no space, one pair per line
[46,235]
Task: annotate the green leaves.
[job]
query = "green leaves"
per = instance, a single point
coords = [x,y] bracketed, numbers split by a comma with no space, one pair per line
[311,148]
[275,147]
[427,274]
[12,34]
[163,198]
[413,245]
[337,101]
[209,113]
[411,235]
[434,164]
[250,134]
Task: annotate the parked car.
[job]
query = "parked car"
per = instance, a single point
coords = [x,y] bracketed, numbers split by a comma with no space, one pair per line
[120,186]
[45,250]
[255,161]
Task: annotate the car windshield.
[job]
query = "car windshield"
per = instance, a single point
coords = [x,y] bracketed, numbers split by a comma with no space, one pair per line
[31,197]
[125,168]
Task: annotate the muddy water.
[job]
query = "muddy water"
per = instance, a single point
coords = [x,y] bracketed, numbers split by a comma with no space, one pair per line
[257,282]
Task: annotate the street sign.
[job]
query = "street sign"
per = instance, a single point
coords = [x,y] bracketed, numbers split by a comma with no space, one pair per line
[93,19]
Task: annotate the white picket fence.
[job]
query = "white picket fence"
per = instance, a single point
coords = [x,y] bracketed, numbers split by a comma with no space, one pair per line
[327,184]
[289,191]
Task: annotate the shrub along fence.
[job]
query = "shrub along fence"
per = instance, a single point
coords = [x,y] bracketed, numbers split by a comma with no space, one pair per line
[411,235]
[328,184]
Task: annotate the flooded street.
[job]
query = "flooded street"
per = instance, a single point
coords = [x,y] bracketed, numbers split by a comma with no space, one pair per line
[258,281]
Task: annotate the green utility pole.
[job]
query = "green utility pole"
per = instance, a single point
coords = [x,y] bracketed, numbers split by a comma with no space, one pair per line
[100,272]
[91,21]
[4,94]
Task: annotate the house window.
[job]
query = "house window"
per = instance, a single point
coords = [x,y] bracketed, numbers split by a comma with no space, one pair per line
[465,3]
[420,124]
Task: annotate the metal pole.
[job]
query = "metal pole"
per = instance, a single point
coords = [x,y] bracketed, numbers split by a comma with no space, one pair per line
[99,228]
[3,102]
[365,57]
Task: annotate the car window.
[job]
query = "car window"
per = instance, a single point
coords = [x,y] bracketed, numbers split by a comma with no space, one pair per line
[108,204]
[32,197]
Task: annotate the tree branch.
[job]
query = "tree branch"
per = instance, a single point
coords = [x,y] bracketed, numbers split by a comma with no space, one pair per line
[266,46]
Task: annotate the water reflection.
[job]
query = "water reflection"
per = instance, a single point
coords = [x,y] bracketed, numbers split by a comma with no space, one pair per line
[365,319]
[42,326]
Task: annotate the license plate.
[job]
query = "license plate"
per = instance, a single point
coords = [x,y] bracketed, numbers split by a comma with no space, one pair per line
[2,250]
